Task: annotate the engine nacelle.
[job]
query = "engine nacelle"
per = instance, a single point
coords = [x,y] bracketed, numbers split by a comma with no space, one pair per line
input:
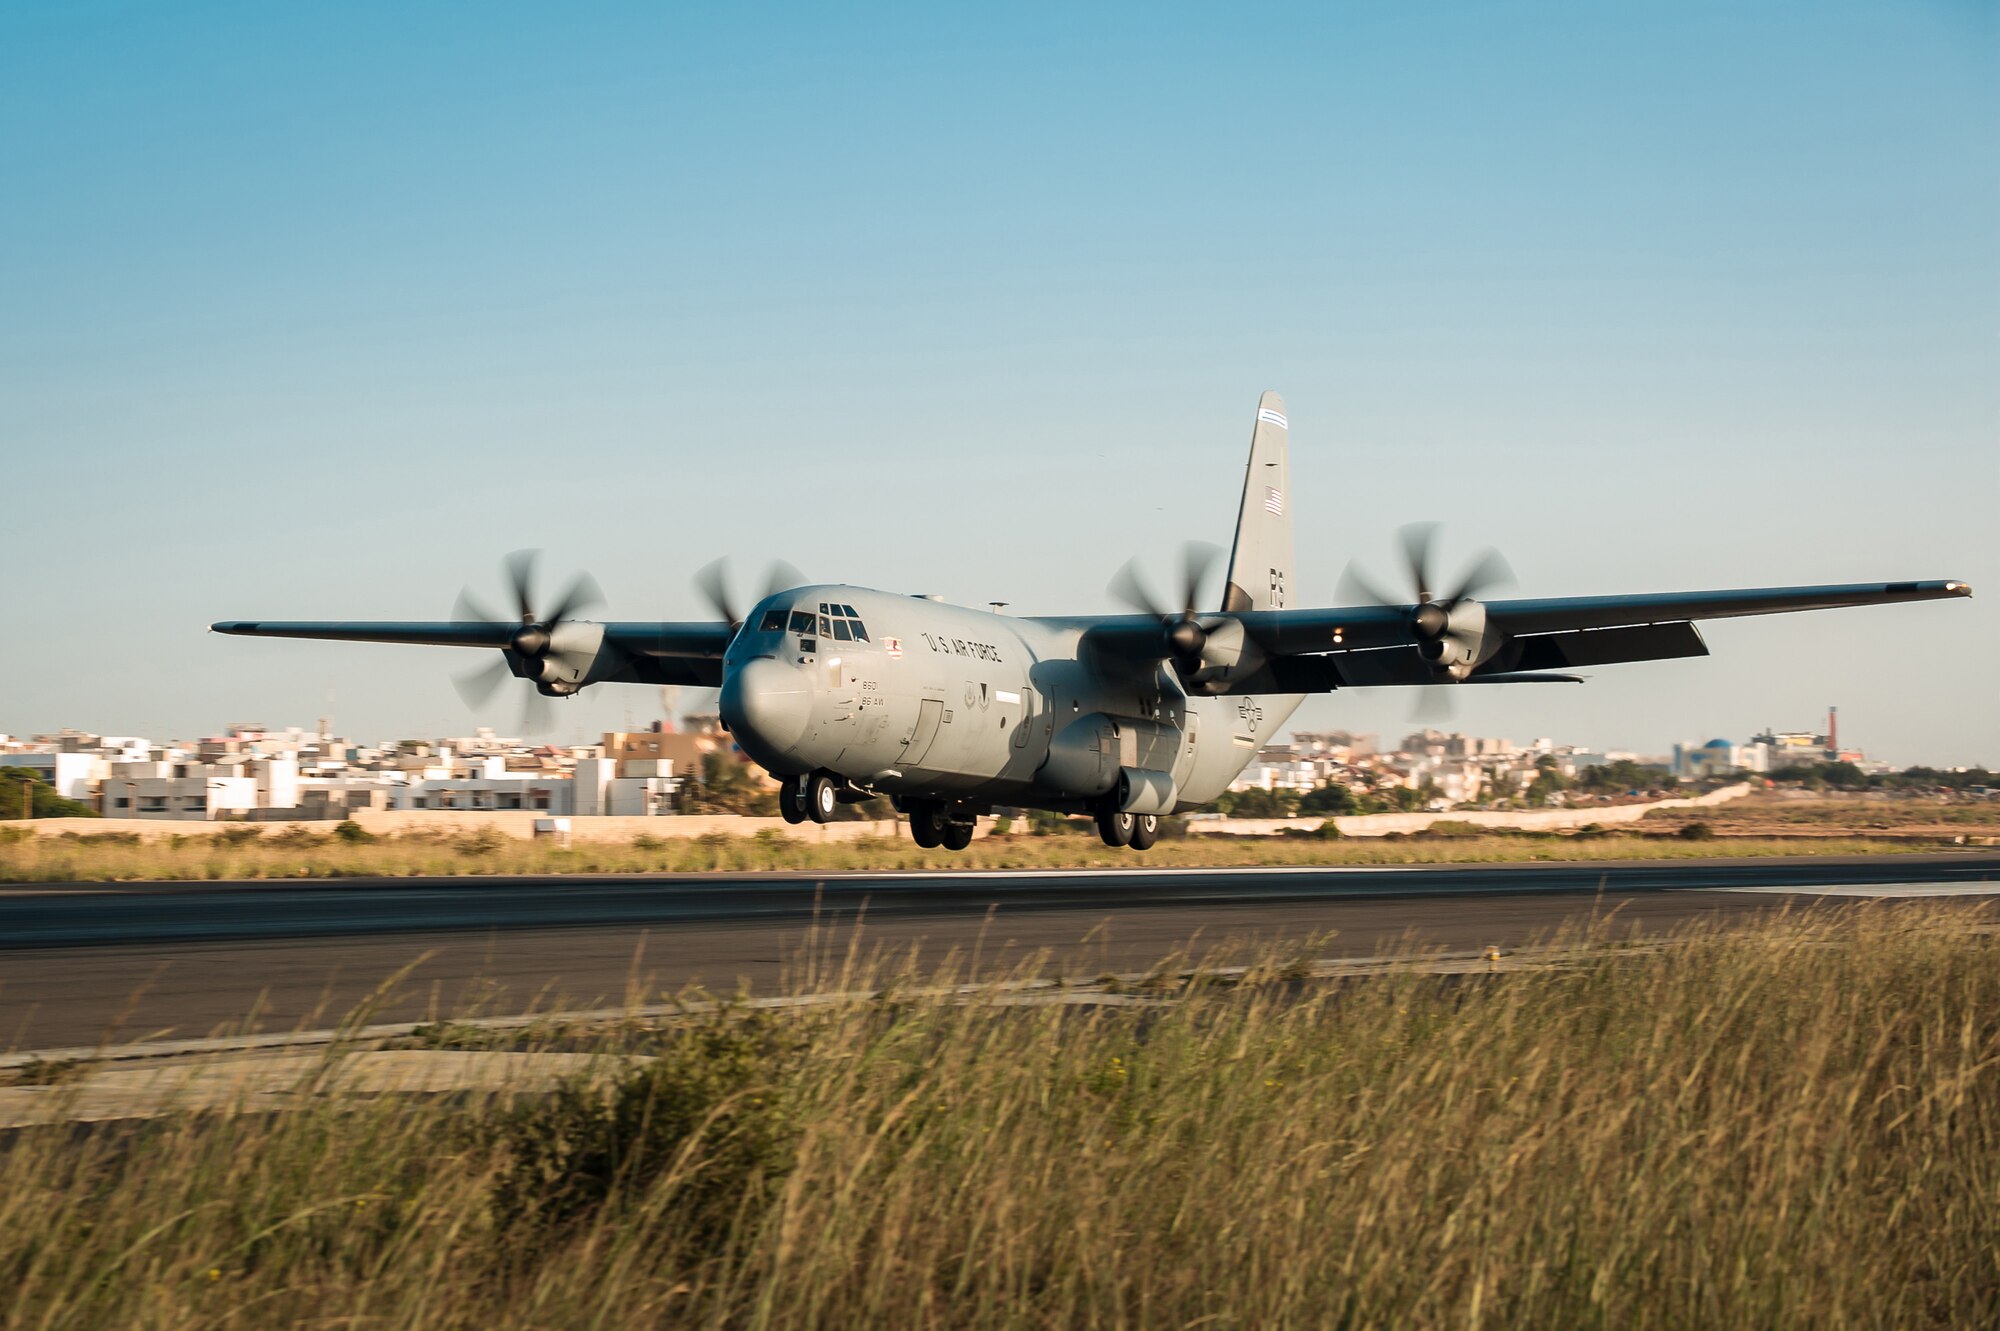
[1463,641]
[565,662]
[1228,653]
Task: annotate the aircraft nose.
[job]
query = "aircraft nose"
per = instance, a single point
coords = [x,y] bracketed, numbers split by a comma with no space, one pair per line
[769,701]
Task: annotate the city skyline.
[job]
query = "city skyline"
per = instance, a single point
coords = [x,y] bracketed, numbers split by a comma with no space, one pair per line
[313,317]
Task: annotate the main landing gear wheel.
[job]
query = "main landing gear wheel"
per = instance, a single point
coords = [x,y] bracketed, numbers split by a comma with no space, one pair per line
[1115,826]
[791,800]
[821,798]
[927,825]
[957,836]
[1145,830]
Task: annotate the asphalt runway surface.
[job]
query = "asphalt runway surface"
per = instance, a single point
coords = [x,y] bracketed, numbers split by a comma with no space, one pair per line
[80,963]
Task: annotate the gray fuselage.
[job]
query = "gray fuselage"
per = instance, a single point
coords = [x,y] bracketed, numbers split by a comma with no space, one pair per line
[914,697]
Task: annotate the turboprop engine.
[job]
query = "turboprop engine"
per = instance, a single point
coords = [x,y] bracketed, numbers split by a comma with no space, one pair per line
[1451,631]
[552,650]
[1207,650]
[1455,638]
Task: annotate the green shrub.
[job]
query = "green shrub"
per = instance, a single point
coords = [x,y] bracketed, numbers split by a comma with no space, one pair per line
[481,841]
[1696,832]
[347,830]
[703,1119]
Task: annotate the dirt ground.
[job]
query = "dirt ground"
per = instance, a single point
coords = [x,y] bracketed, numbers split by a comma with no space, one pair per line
[1804,813]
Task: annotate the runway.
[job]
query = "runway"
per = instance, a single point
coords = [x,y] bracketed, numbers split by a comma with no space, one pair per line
[84,962]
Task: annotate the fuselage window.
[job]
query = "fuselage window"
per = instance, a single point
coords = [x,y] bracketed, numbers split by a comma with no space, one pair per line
[841,631]
[802,621]
[773,622]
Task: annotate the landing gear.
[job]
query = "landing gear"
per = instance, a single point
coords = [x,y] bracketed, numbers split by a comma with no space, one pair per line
[1115,826]
[1145,830]
[791,800]
[935,823]
[821,797]
[927,824]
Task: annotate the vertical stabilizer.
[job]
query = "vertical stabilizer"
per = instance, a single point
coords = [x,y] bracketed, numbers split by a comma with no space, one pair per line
[1260,563]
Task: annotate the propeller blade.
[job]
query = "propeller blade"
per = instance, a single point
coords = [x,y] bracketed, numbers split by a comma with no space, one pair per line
[712,581]
[1129,588]
[1434,703]
[1357,587]
[535,709]
[1419,538]
[583,594]
[1490,570]
[519,568]
[781,577]
[467,610]
[475,687]
[1197,559]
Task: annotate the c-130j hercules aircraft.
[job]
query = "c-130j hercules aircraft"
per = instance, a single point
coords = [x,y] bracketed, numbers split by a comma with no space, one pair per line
[846,693]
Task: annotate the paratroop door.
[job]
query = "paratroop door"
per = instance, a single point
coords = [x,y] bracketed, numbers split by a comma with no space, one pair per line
[929,713]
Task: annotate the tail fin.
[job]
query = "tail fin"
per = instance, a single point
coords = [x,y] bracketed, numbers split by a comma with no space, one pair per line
[1260,565]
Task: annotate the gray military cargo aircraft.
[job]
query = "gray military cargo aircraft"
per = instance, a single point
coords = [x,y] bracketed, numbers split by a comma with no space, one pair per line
[847,693]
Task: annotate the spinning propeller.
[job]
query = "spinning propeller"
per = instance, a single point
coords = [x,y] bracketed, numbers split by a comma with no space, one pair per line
[1431,619]
[526,651]
[1183,633]
[1450,629]
[712,581]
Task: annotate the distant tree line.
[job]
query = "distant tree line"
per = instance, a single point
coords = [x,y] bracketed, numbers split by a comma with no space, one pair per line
[1846,776]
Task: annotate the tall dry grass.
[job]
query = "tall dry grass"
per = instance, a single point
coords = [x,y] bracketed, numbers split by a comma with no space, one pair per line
[247,853]
[1795,1125]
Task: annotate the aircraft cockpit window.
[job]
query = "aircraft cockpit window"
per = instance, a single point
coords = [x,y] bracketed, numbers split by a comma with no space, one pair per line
[860,633]
[825,625]
[842,632]
[773,622]
[847,610]
[802,621]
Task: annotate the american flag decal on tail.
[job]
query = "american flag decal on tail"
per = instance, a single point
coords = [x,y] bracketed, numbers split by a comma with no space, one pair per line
[1274,501]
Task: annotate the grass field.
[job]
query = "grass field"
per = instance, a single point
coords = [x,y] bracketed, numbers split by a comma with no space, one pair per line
[1796,1125]
[246,853]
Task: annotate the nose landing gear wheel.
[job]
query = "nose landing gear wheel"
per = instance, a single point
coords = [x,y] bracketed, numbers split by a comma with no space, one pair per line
[1115,827]
[1145,830]
[957,836]
[926,824]
[820,797]
[791,800]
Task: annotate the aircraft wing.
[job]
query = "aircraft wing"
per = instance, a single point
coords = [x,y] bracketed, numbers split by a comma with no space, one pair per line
[1313,650]
[646,653]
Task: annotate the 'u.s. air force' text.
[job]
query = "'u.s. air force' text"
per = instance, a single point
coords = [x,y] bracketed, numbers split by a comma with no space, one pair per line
[982,651]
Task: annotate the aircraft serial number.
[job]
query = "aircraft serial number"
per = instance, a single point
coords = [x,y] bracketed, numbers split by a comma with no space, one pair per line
[980,651]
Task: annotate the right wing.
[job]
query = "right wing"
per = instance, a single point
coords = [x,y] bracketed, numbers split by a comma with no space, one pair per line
[1315,650]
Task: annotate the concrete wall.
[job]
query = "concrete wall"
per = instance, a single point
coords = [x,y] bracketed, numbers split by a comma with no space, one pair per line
[387,822]
[1529,820]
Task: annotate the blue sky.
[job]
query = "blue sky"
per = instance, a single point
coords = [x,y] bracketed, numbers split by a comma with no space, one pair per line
[316,312]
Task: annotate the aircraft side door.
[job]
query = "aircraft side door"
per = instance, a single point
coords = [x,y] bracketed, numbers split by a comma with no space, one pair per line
[930,713]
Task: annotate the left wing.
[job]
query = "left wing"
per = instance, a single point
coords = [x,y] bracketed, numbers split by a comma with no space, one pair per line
[580,652]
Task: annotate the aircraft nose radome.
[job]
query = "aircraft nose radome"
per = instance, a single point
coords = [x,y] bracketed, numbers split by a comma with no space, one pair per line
[769,700]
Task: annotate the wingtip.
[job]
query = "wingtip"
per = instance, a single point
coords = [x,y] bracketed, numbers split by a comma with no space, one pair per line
[1957,588]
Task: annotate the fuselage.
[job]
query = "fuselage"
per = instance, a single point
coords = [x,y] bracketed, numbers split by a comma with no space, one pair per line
[913,697]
